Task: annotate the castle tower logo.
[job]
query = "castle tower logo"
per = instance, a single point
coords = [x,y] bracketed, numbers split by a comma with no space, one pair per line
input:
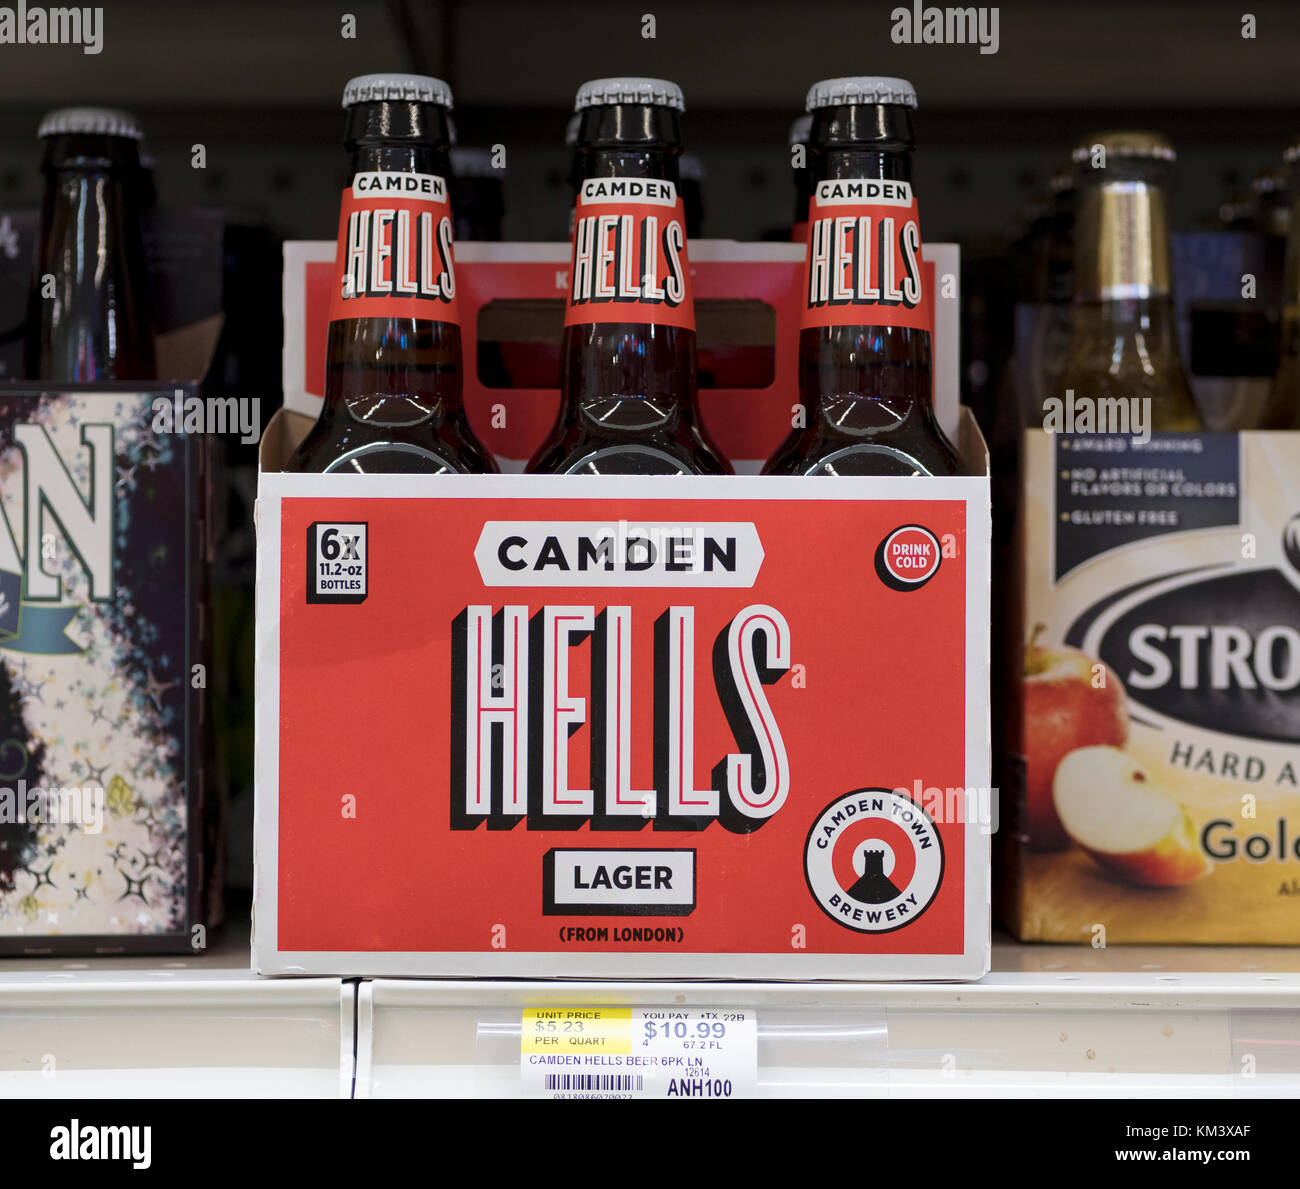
[873,860]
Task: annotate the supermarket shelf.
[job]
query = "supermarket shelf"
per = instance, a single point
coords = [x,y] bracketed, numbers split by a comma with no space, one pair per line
[1050,1020]
[201,1027]
[1136,1022]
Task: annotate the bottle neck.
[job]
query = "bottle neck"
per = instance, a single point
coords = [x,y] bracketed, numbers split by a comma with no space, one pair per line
[1123,335]
[862,141]
[628,361]
[91,152]
[1122,243]
[98,325]
[394,354]
[400,157]
[864,345]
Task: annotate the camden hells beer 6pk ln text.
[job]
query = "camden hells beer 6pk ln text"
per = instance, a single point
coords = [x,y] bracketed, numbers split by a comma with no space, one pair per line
[393,387]
[628,401]
[865,339]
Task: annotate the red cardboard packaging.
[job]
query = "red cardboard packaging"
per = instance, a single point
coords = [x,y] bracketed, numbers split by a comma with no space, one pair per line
[531,726]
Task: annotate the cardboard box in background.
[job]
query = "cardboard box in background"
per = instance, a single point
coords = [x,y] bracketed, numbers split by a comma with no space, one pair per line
[1158,701]
[873,682]
[103,560]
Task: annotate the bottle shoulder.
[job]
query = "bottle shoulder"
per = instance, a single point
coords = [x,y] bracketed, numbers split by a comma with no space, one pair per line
[866,436]
[338,443]
[576,449]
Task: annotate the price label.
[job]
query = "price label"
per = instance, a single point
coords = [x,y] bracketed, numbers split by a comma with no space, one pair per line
[626,1052]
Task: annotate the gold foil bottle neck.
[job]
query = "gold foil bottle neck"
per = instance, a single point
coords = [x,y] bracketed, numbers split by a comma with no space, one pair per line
[1122,239]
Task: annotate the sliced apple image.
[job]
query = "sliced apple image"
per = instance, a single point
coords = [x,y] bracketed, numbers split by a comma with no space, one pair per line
[1066,708]
[1126,822]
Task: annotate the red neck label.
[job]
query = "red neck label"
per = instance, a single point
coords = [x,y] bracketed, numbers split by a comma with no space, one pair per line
[629,254]
[864,256]
[395,254]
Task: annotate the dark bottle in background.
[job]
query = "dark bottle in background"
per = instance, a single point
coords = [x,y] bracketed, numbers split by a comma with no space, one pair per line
[478,195]
[800,131]
[691,169]
[865,371]
[1055,257]
[393,381]
[94,320]
[628,402]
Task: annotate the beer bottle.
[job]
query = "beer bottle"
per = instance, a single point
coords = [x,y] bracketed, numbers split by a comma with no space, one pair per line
[628,401]
[393,396]
[98,324]
[865,376]
[1123,340]
[1282,408]
[799,133]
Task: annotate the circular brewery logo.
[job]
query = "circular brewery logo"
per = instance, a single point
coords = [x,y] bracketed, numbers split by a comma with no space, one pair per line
[873,860]
[908,558]
[1291,542]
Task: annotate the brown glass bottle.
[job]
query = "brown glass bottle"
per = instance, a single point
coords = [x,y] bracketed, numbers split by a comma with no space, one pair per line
[628,403]
[94,320]
[393,380]
[1123,334]
[865,373]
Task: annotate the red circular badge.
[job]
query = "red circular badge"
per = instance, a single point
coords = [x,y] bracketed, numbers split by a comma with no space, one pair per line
[908,558]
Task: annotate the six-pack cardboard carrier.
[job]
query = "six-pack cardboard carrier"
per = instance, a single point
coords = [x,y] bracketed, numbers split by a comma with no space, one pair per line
[517,725]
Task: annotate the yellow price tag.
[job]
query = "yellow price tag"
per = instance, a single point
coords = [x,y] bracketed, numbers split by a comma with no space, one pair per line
[577,1030]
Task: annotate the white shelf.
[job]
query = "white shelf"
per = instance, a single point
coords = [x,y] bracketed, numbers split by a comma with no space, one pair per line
[1161,1023]
[1050,1020]
[202,1027]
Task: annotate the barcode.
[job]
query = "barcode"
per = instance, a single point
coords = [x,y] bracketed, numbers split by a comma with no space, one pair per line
[594,1081]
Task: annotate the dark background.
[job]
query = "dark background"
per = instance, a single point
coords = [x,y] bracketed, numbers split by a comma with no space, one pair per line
[259,84]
